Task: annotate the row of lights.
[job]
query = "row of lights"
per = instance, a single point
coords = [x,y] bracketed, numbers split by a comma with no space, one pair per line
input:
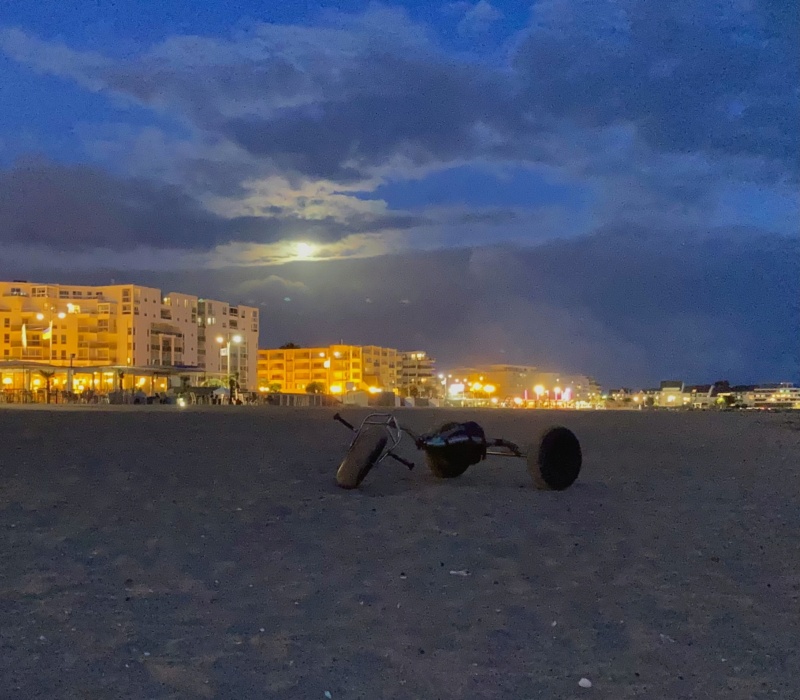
[78,383]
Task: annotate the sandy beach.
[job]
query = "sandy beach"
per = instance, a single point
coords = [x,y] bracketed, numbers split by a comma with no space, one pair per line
[158,552]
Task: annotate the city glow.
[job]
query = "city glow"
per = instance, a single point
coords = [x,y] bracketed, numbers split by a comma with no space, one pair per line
[374,390]
[538,390]
[454,389]
[220,339]
[237,339]
[40,317]
[336,389]
[61,314]
[7,380]
[518,401]
[489,388]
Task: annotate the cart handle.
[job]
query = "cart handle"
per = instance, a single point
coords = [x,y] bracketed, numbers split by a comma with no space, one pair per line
[345,423]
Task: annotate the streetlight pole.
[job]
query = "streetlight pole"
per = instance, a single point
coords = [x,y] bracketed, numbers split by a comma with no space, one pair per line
[237,340]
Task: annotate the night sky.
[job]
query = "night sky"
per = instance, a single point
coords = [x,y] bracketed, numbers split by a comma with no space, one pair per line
[595,186]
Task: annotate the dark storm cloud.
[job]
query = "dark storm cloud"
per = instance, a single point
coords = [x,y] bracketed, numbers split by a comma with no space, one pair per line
[625,305]
[78,207]
[389,107]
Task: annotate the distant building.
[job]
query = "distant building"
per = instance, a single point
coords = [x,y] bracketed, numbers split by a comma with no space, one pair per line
[571,387]
[337,368]
[417,374]
[228,341]
[116,327]
[774,396]
[699,395]
[506,381]
[670,394]
[528,382]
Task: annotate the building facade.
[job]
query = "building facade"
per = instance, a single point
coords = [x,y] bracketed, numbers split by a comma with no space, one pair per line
[123,326]
[417,374]
[335,369]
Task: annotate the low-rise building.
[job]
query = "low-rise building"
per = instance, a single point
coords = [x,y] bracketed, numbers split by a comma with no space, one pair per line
[334,369]
[772,396]
[670,394]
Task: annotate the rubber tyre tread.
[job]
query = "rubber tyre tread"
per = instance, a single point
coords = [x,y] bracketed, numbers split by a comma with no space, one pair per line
[555,465]
[360,458]
[444,468]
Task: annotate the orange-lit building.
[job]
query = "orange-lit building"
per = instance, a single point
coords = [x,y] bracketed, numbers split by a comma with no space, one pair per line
[336,369]
[115,327]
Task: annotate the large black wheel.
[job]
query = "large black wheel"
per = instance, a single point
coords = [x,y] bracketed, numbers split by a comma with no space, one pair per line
[361,457]
[446,462]
[557,462]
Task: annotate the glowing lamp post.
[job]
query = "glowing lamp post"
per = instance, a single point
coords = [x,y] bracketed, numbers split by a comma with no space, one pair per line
[236,340]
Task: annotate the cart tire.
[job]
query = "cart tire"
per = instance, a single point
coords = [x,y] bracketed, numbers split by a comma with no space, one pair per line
[361,457]
[445,468]
[556,464]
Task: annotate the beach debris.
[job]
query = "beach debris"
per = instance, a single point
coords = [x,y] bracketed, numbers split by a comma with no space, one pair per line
[328,694]
[553,623]
[585,683]
[460,572]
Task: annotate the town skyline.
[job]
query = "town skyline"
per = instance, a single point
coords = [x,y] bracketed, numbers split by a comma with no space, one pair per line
[34,289]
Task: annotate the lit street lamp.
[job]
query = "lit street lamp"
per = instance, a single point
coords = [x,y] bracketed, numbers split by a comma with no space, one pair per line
[236,340]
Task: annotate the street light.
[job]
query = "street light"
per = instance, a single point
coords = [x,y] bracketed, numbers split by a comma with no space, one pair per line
[236,340]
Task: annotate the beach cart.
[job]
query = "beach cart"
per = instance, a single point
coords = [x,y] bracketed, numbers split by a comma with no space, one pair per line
[553,463]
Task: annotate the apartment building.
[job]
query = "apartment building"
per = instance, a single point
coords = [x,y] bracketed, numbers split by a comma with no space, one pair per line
[416,377]
[338,368]
[228,341]
[125,326]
